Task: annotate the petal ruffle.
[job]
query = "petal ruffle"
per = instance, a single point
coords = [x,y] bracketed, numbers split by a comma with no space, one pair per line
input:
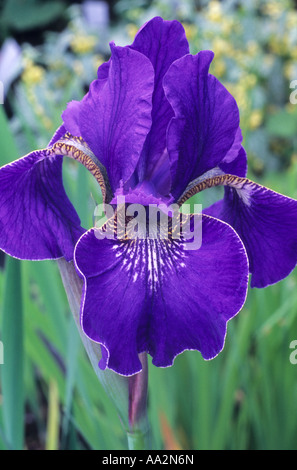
[71,117]
[156,296]
[37,220]
[238,166]
[266,222]
[235,162]
[115,116]
[206,119]
[162,42]
[71,114]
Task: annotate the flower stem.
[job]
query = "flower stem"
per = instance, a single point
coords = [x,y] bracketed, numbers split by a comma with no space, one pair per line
[139,440]
[139,433]
[129,394]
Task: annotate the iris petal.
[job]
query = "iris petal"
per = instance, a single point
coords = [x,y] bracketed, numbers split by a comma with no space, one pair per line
[37,220]
[153,295]
[115,116]
[266,222]
[238,166]
[70,117]
[76,148]
[235,162]
[162,42]
[206,119]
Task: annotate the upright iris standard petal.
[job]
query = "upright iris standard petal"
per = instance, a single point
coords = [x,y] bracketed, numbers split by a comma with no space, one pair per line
[60,132]
[206,119]
[71,117]
[154,295]
[235,161]
[238,166]
[37,220]
[162,42]
[115,116]
[71,114]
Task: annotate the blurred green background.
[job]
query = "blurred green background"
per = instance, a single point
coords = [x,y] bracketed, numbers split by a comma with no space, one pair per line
[50,398]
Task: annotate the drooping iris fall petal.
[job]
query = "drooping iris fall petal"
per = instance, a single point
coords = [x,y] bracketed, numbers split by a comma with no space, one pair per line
[37,220]
[156,296]
[266,223]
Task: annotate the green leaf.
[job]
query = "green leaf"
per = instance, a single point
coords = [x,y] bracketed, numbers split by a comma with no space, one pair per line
[9,150]
[29,14]
[12,369]
[52,435]
[282,124]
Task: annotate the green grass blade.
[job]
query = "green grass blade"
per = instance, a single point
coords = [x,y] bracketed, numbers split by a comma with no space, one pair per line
[71,369]
[53,424]
[12,369]
[9,151]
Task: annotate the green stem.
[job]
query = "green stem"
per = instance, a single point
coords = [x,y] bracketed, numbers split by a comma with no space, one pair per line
[139,432]
[129,394]
[12,371]
[139,440]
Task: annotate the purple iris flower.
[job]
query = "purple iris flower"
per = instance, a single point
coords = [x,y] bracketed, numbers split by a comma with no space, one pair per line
[156,128]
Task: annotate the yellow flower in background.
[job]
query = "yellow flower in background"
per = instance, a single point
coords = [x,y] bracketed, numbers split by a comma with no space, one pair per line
[250,80]
[239,91]
[258,165]
[241,98]
[81,44]
[291,108]
[293,52]
[252,48]
[221,46]
[230,87]
[280,45]
[268,60]
[242,60]
[131,30]
[228,24]
[97,61]
[274,9]
[78,68]
[218,68]
[289,70]
[214,11]
[256,119]
[36,107]
[32,74]
[191,30]
[291,20]
[56,65]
